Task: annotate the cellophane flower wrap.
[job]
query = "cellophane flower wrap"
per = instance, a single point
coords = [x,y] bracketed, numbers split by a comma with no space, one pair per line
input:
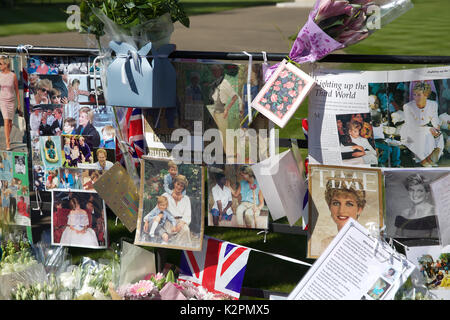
[336,24]
[18,266]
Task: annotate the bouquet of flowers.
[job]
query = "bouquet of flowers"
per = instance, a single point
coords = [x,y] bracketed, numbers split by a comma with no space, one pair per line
[160,287]
[18,265]
[336,24]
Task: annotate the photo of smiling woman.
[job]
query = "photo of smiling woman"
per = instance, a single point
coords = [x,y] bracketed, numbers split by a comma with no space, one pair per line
[338,194]
[410,211]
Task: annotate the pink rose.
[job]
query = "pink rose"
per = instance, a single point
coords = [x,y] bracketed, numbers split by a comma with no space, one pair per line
[283,74]
[263,100]
[277,83]
[280,107]
[289,85]
[289,106]
[285,99]
[267,106]
[273,98]
[292,93]
[279,114]
[276,88]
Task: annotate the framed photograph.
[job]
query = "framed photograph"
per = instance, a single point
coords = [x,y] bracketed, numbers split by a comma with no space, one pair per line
[171,208]
[48,89]
[283,93]
[235,198]
[337,194]
[78,220]
[410,207]
[50,148]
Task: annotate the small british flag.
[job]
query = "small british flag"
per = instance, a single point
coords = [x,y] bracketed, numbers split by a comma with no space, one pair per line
[219,267]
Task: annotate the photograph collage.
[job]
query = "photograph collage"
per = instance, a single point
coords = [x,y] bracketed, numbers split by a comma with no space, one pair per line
[73,143]
[390,171]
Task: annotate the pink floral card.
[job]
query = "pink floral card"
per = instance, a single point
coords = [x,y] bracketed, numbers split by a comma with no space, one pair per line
[283,92]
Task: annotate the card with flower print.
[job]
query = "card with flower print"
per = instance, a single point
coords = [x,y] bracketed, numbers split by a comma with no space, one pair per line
[283,93]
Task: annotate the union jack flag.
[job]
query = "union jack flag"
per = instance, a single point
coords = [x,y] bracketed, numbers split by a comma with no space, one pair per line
[219,267]
[131,126]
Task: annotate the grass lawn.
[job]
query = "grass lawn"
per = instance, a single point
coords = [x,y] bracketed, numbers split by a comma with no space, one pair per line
[33,17]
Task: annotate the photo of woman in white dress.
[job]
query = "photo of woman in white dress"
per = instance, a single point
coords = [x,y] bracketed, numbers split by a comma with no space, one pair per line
[421,131]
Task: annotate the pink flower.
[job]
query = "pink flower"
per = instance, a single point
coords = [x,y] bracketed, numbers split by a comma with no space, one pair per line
[284,74]
[361,2]
[159,276]
[277,83]
[141,289]
[292,93]
[267,106]
[263,100]
[332,8]
[351,37]
[289,106]
[273,98]
[276,88]
[289,85]
[279,114]
[285,99]
[280,107]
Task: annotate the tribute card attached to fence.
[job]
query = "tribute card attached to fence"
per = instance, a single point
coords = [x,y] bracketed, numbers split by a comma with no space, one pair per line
[120,193]
[355,266]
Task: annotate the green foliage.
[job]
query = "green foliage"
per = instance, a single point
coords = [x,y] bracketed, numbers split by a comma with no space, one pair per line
[128,13]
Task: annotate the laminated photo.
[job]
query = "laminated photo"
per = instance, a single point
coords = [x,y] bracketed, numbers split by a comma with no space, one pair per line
[15,193]
[338,194]
[12,105]
[235,198]
[50,149]
[46,120]
[78,220]
[410,209]
[46,65]
[171,210]
[283,93]
[48,89]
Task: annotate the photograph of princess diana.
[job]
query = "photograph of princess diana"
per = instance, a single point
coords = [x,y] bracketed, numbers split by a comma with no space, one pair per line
[337,194]
[171,212]
[410,211]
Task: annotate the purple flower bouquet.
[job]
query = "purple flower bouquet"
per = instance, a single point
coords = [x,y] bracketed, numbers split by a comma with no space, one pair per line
[336,24]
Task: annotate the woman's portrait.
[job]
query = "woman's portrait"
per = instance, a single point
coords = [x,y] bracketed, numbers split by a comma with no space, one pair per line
[171,205]
[9,97]
[338,194]
[235,198]
[421,132]
[73,220]
[410,209]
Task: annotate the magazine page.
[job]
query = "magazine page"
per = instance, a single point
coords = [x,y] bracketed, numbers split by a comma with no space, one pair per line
[356,266]
[410,209]
[410,118]
[338,194]
[340,131]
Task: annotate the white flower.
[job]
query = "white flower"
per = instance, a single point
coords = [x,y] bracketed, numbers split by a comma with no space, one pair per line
[67,280]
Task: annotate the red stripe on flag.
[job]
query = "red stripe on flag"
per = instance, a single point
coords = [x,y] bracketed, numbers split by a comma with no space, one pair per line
[194,263]
[231,259]
[211,261]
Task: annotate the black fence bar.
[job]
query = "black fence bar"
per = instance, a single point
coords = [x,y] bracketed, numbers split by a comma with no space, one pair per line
[256,56]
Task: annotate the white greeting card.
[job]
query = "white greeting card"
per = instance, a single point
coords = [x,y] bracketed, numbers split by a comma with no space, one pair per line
[282,185]
[283,93]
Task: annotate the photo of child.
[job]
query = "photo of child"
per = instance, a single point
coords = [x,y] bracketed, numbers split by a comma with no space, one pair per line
[356,139]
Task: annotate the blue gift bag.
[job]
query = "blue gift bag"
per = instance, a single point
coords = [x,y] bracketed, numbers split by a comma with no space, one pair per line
[132,81]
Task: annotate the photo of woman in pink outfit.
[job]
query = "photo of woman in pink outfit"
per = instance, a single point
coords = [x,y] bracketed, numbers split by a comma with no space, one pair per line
[9,92]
